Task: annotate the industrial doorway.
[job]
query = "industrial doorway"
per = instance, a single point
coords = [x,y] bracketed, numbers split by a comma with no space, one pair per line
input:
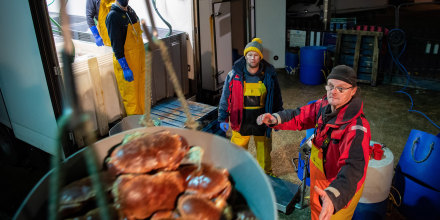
[222,40]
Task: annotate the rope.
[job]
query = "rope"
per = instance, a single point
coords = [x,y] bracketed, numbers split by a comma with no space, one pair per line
[146,119]
[391,197]
[153,43]
[190,122]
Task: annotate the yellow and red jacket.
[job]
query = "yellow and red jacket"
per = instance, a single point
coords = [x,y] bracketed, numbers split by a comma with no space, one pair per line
[347,155]
[232,100]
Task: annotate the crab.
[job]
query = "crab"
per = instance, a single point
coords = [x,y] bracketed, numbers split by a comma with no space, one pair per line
[139,196]
[207,181]
[78,195]
[194,206]
[159,169]
[206,191]
[158,151]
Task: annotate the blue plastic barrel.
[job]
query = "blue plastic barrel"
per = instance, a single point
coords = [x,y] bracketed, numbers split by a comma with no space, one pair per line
[301,165]
[309,132]
[420,158]
[292,60]
[312,55]
[368,211]
[311,63]
[417,201]
[416,178]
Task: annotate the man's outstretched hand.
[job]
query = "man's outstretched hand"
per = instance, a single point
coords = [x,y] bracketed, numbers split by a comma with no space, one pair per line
[327,205]
[267,119]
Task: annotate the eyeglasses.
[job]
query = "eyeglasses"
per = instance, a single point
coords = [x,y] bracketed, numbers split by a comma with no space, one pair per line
[339,89]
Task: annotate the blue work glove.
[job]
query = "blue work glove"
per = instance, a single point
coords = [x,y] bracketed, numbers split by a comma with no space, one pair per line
[224,126]
[128,74]
[98,39]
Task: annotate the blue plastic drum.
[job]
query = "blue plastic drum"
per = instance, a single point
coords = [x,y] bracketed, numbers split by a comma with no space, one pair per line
[416,178]
[292,60]
[301,165]
[420,158]
[312,60]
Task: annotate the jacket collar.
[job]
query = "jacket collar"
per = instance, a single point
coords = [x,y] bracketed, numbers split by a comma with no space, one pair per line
[240,64]
[349,112]
[116,8]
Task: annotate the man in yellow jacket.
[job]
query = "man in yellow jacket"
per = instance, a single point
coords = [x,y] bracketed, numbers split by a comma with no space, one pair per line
[98,10]
[129,55]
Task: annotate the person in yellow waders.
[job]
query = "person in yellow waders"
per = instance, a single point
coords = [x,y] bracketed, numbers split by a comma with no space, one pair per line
[251,88]
[98,10]
[129,55]
[340,147]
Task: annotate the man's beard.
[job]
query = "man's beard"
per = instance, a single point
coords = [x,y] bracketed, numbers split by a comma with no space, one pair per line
[253,66]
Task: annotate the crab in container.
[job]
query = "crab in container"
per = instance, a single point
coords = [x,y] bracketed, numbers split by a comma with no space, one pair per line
[206,190]
[79,196]
[152,179]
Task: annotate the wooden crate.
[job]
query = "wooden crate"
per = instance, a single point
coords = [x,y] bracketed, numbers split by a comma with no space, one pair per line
[360,50]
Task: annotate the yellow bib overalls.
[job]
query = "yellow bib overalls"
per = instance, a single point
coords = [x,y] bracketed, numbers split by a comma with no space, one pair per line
[257,93]
[104,9]
[318,178]
[132,93]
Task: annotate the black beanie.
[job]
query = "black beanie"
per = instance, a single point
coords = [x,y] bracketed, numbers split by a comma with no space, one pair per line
[343,73]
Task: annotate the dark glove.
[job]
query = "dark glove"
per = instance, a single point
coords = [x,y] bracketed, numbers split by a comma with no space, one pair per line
[98,39]
[224,126]
[128,74]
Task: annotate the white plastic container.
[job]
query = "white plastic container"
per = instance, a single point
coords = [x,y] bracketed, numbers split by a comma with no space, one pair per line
[250,180]
[96,85]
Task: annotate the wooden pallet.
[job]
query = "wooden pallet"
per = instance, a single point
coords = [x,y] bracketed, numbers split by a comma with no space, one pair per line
[171,113]
[342,48]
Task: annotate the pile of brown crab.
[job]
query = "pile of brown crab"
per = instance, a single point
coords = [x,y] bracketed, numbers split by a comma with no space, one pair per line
[155,176]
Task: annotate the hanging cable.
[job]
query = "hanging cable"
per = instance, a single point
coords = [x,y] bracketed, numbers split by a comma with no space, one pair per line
[160,16]
[60,29]
[402,68]
[50,3]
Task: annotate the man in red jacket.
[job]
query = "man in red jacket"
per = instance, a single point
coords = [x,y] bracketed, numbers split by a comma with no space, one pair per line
[340,147]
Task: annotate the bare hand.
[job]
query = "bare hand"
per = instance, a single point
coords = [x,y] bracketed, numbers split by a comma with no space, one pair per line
[327,205]
[267,119]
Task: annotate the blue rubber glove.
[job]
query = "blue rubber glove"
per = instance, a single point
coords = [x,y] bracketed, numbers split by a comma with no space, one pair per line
[98,39]
[224,126]
[128,74]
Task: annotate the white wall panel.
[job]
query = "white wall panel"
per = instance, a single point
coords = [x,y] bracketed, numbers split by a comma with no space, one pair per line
[22,79]
[270,22]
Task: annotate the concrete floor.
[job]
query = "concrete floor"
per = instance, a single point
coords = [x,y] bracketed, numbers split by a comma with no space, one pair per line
[386,111]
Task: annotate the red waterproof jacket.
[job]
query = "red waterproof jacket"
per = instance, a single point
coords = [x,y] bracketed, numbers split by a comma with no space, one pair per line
[346,160]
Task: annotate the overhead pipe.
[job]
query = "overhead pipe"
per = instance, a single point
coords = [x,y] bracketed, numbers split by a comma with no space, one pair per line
[326,14]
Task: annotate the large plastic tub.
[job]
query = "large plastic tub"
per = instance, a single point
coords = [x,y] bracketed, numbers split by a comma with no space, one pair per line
[249,178]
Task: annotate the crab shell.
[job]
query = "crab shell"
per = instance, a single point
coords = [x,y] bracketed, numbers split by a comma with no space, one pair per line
[208,181]
[139,196]
[157,151]
[198,207]
[75,196]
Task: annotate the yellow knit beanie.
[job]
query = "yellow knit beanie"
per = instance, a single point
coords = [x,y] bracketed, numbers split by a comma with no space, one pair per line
[254,45]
